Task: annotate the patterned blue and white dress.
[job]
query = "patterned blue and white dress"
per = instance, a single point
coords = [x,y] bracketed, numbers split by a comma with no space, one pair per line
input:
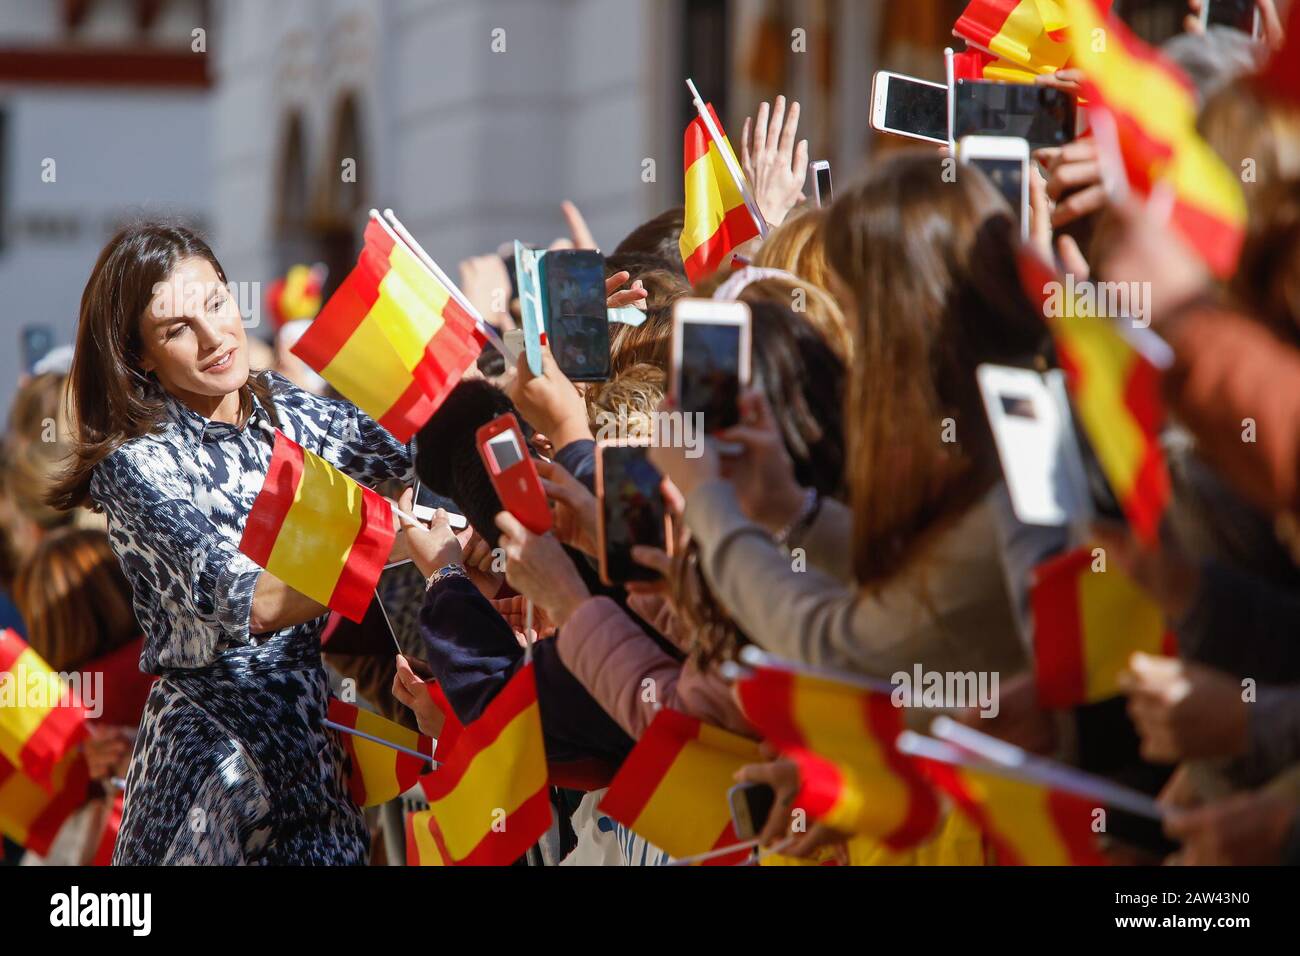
[232,763]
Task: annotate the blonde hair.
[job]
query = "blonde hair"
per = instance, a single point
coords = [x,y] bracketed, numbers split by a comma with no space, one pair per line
[1241,123]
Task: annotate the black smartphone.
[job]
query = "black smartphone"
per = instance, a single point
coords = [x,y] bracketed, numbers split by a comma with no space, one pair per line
[632,510]
[1039,114]
[751,805]
[37,342]
[1240,15]
[577,322]
[821,171]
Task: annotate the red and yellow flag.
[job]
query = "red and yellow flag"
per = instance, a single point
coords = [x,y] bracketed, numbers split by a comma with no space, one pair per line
[379,773]
[1029,34]
[392,338]
[319,531]
[716,219]
[842,737]
[1029,824]
[451,725]
[672,788]
[421,847]
[488,800]
[976,64]
[40,719]
[31,814]
[1153,107]
[296,294]
[1116,392]
[1087,624]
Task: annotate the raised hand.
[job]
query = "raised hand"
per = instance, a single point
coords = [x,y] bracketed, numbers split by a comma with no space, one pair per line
[774,165]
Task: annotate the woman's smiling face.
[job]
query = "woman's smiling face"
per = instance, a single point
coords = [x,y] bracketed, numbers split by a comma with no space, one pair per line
[192,334]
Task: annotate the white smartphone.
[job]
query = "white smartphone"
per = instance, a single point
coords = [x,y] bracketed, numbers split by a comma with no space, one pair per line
[905,106]
[1240,15]
[821,177]
[710,361]
[1034,435]
[1005,161]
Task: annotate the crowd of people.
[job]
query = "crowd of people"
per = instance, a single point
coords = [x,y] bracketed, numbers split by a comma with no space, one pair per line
[128,474]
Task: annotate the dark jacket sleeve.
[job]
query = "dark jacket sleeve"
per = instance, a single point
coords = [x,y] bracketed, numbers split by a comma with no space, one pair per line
[473,653]
[1243,625]
[578,458]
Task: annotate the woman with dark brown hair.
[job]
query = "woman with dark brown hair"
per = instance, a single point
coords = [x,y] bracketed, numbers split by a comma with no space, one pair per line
[172,442]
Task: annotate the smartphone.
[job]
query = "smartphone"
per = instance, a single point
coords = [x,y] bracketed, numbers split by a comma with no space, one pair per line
[1036,445]
[710,360]
[821,177]
[1240,15]
[577,322]
[1039,114]
[1005,161]
[632,510]
[905,106]
[514,476]
[751,804]
[37,342]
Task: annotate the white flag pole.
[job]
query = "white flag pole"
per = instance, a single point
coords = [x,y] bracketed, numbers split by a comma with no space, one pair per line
[399,231]
[333,725]
[737,176]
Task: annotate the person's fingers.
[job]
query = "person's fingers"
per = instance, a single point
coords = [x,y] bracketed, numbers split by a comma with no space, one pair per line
[777,120]
[1083,203]
[399,691]
[801,166]
[791,130]
[656,559]
[744,146]
[1040,226]
[754,408]
[1273,32]
[578,228]
[406,499]
[613,283]
[760,129]
[511,530]
[1071,258]
[1070,176]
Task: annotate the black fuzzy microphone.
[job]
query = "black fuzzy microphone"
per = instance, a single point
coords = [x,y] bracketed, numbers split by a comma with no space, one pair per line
[447,458]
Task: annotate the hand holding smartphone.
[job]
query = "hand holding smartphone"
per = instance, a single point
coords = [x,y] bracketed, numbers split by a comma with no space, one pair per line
[505,455]
[632,510]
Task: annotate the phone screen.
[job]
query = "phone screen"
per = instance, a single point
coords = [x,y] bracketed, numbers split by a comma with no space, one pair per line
[710,373]
[505,451]
[824,196]
[1008,176]
[1238,14]
[577,322]
[633,509]
[1039,114]
[751,805]
[917,108]
[37,342]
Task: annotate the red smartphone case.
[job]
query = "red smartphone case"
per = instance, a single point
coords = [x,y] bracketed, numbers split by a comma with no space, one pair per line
[518,487]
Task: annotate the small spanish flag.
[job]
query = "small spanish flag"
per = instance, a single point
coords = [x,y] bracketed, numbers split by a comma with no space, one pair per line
[488,799]
[842,737]
[31,814]
[451,725]
[392,338]
[1153,107]
[319,531]
[421,846]
[296,294]
[1116,392]
[716,219]
[40,719]
[1030,34]
[1087,624]
[379,773]
[1029,824]
[975,64]
[672,788]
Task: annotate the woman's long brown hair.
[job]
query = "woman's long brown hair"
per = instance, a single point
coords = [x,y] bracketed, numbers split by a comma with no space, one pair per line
[930,263]
[74,599]
[111,399]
